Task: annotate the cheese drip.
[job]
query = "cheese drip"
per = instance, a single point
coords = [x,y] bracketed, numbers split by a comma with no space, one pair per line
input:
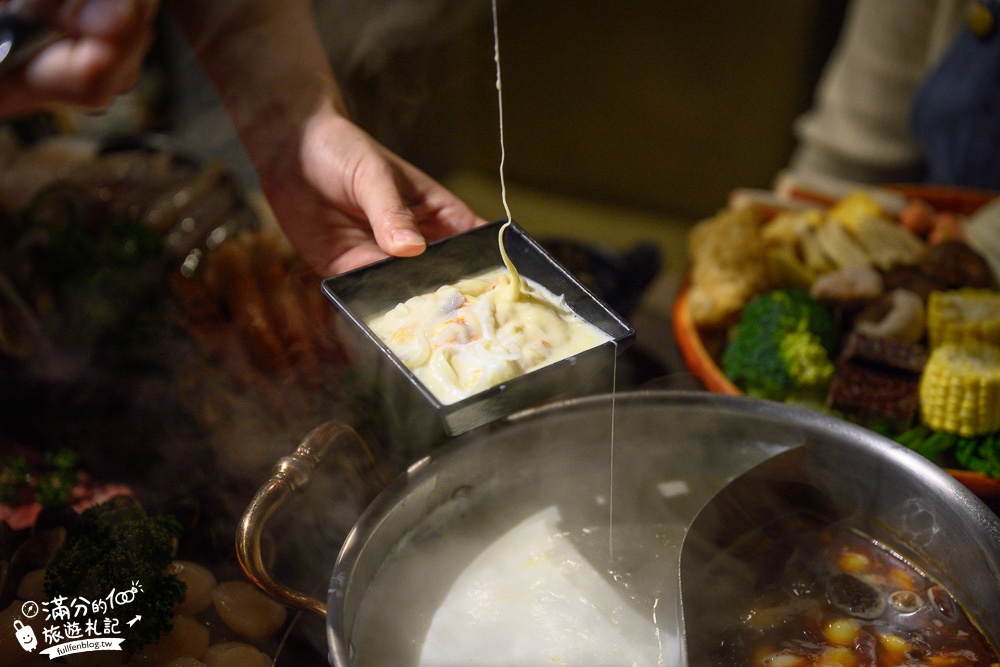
[515,277]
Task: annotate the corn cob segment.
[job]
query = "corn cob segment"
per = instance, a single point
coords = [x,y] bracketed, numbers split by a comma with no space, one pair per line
[960,388]
[963,315]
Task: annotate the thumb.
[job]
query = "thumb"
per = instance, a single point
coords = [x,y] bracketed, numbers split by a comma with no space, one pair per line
[393,223]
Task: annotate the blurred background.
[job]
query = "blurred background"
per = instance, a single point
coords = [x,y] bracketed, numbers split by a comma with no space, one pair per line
[663,106]
[624,123]
[659,108]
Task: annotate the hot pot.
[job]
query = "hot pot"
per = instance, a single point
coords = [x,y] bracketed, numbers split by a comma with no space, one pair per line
[694,443]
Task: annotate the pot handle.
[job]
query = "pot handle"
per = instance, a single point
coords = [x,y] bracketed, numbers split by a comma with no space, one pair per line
[291,474]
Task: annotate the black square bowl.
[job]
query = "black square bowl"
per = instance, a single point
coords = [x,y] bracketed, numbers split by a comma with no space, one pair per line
[402,411]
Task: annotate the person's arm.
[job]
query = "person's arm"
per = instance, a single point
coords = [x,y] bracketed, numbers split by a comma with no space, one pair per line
[858,128]
[100,55]
[342,198]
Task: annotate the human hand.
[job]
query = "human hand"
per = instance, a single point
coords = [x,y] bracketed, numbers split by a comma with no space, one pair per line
[99,55]
[345,200]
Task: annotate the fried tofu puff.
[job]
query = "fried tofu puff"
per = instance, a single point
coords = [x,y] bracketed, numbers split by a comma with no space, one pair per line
[728,265]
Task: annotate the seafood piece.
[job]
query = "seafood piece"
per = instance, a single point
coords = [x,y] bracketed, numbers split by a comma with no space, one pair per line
[187,637]
[948,226]
[199,583]
[247,611]
[904,320]
[236,654]
[287,313]
[245,301]
[253,305]
[918,217]
[237,327]
[857,283]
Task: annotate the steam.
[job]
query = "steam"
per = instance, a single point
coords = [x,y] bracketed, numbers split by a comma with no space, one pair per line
[364,35]
[387,52]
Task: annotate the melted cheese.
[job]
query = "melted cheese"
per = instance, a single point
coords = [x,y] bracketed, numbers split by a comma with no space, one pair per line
[482,331]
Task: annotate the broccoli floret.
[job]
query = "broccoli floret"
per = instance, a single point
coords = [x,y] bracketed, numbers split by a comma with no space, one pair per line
[113,547]
[47,483]
[782,347]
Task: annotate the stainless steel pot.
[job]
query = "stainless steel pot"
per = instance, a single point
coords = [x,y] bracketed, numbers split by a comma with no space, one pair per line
[561,454]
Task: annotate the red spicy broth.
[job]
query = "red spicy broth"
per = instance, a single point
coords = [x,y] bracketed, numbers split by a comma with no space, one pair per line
[830,595]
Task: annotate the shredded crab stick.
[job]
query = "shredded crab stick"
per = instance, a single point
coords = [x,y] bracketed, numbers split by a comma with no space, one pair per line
[482,331]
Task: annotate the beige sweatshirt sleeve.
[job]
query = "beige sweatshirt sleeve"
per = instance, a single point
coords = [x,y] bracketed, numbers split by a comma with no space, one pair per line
[858,127]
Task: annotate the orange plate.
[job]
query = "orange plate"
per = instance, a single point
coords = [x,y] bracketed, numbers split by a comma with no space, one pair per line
[702,365]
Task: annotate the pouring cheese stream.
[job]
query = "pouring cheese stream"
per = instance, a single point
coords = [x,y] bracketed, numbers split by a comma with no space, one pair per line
[515,277]
[482,331]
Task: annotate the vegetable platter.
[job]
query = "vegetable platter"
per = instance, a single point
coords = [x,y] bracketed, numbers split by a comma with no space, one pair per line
[876,304]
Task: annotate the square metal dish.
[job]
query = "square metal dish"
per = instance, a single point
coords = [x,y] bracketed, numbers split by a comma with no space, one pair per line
[402,409]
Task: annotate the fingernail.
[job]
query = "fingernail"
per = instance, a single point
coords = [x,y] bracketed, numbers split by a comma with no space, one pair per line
[407,237]
[105,16]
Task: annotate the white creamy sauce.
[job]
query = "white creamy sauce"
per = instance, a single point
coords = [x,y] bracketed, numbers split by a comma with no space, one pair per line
[532,596]
[478,333]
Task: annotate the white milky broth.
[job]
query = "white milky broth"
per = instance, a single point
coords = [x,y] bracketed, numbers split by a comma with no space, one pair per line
[539,593]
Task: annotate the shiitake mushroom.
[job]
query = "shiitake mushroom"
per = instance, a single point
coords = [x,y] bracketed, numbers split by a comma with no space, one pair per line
[955,264]
[854,596]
